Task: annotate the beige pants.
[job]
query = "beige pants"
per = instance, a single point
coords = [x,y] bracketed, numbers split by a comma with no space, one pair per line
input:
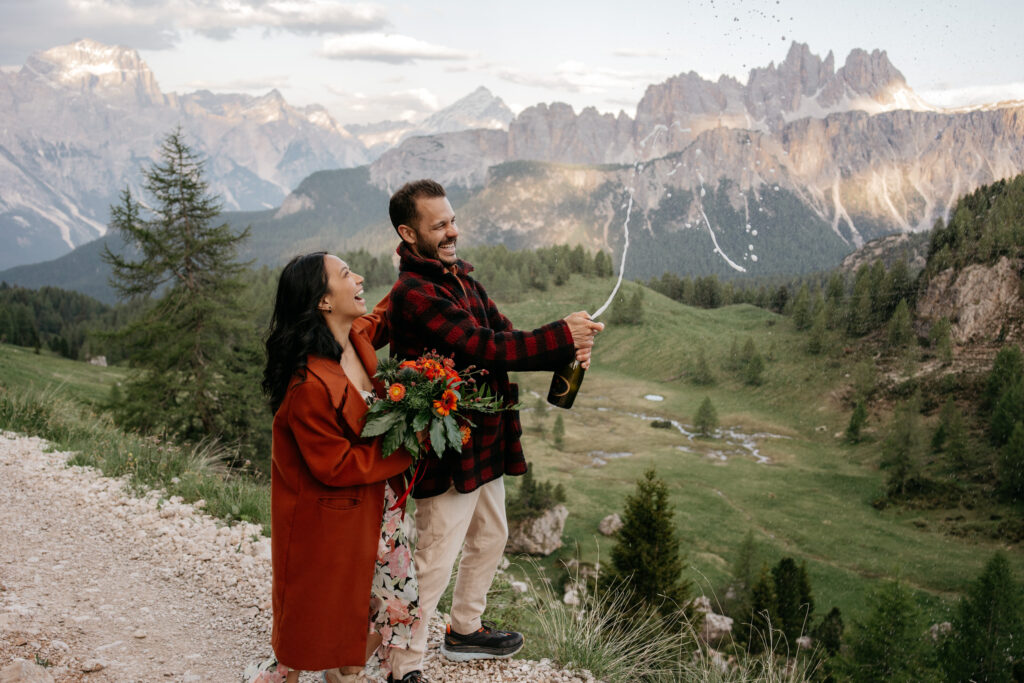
[473,522]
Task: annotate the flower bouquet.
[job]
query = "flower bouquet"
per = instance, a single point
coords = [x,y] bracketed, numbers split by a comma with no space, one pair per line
[427,395]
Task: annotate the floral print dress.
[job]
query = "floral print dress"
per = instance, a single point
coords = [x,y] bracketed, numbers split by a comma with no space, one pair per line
[394,597]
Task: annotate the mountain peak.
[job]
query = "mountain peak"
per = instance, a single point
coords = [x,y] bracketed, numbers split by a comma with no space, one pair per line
[104,70]
[478,109]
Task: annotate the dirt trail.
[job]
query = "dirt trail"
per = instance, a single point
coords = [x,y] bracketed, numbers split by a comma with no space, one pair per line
[98,585]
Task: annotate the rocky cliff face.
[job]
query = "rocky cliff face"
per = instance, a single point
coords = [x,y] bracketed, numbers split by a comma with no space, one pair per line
[855,145]
[983,303]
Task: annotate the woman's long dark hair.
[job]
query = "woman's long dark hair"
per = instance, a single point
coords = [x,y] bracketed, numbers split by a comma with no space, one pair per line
[297,329]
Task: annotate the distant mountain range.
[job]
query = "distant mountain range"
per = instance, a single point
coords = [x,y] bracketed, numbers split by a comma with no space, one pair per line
[787,173]
[78,123]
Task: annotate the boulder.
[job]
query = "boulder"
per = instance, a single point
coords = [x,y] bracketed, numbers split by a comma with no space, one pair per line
[539,535]
[610,524]
[24,671]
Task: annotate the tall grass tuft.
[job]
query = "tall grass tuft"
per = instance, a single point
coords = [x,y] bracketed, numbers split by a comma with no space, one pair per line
[615,638]
[193,472]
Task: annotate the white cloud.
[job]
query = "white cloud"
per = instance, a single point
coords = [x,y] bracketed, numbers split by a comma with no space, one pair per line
[260,84]
[387,47]
[397,105]
[220,18]
[579,78]
[640,52]
[973,95]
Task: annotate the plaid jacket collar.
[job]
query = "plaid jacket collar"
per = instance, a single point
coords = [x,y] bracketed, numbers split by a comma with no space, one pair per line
[428,267]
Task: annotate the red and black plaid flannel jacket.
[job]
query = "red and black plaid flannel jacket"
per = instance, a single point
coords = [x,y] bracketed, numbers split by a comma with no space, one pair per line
[447,310]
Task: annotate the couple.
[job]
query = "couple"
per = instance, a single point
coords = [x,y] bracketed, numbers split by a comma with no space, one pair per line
[344,585]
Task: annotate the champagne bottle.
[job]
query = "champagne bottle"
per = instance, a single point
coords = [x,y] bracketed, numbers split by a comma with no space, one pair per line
[565,383]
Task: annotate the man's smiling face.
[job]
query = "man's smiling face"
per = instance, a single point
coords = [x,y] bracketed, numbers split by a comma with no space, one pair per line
[435,232]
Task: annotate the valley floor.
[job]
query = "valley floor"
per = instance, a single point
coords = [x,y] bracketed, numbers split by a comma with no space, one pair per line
[98,585]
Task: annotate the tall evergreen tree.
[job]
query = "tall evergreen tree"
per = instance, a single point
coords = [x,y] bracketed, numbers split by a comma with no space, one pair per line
[706,419]
[988,628]
[558,432]
[829,632]
[857,420]
[752,365]
[793,601]
[802,317]
[194,349]
[900,332]
[1010,466]
[756,630]
[646,556]
[741,585]
[901,452]
[701,371]
[889,645]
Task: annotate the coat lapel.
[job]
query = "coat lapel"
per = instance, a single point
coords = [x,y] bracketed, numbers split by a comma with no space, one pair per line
[344,396]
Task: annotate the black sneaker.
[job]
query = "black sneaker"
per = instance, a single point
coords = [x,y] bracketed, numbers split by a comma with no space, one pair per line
[486,643]
[411,677]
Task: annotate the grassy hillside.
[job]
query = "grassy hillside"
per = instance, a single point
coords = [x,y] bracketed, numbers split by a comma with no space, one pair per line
[812,499]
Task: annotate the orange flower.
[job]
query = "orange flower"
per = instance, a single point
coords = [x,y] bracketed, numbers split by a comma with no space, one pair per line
[432,369]
[410,364]
[396,392]
[465,434]
[447,404]
[452,377]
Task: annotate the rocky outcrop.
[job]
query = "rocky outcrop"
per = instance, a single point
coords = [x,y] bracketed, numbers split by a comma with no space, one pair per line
[24,671]
[540,535]
[714,628]
[610,524]
[983,303]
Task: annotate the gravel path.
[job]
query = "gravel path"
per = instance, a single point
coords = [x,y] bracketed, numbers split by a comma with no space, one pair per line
[98,585]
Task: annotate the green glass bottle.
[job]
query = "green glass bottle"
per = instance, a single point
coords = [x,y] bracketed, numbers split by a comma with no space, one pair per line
[565,383]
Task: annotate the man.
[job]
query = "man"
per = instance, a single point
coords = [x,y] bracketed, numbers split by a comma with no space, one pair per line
[460,501]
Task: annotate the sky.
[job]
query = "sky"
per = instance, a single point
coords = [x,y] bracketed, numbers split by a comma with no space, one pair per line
[369,62]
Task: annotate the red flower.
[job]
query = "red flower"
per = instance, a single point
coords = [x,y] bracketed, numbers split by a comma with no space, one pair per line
[432,369]
[447,404]
[396,392]
[453,377]
[465,434]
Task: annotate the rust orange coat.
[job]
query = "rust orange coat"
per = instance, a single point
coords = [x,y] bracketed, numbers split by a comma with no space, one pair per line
[327,502]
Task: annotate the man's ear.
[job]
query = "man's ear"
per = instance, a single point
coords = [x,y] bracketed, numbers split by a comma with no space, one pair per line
[407,233]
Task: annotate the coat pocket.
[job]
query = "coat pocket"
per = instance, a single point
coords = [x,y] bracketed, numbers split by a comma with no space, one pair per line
[340,502]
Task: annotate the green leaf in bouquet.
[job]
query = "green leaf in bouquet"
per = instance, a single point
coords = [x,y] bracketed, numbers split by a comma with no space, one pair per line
[392,440]
[453,433]
[412,444]
[437,436]
[375,426]
[420,421]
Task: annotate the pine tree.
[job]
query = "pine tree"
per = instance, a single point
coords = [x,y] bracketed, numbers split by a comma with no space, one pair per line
[817,340]
[1007,369]
[1008,411]
[540,410]
[857,420]
[558,432]
[901,452]
[646,556]
[1010,466]
[194,347]
[899,332]
[941,341]
[603,264]
[706,419]
[741,585]
[752,365]
[793,602]
[802,318]
[986,640]
[888,646]
[756,631]
[829,632]
[701,371]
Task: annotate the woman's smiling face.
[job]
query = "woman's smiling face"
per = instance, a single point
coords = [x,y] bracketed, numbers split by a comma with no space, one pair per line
[344,295]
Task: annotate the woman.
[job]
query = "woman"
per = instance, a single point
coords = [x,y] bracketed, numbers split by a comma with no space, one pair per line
[335,539]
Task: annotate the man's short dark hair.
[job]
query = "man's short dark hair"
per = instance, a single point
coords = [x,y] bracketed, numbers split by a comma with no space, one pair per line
[402,207]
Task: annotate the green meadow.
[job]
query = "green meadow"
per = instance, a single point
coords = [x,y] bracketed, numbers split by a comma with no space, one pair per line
[808,496]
